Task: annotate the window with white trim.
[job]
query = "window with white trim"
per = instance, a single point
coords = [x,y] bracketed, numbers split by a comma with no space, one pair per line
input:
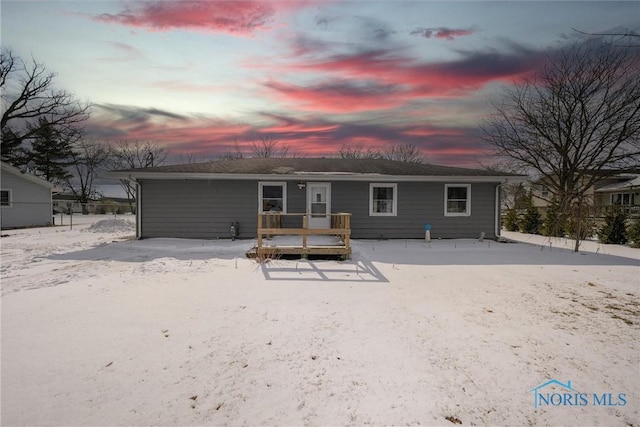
[5,198]
[383,199]
[272,197]
[457,200]
[622,199]
[544,191]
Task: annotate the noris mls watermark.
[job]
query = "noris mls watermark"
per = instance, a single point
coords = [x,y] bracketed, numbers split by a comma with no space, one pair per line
[548,394]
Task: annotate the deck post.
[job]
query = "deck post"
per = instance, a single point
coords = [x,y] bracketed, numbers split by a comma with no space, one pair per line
[259,231]
[305,225]
[347,233]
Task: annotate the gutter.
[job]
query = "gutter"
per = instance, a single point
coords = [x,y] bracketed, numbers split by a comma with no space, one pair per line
[138,210]
[133,176]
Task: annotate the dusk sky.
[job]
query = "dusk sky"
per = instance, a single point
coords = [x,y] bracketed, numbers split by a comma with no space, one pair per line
[315,75]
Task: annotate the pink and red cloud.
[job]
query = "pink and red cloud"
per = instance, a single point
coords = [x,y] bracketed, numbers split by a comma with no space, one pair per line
[116,122]
[226,16]
[311,136]
[440,79]
[340,96]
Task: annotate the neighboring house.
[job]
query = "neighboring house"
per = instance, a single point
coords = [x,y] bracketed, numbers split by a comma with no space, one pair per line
[616,190]
[624,194]
[65,203]
[387,199]
[110,199]
[25,199]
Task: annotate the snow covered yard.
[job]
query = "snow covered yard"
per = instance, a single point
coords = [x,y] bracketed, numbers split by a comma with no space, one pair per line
[101,329]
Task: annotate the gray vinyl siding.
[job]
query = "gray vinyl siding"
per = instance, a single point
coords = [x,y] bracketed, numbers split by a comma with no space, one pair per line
[204,209]
[419,203]
[30,203]
[197,209]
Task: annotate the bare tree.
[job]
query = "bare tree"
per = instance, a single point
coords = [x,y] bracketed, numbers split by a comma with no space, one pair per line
[266,146]
[408,153]
[88,159]
[403,153]
[579,116]
[234,154]
[135,154]
[29,95]
[513,195]
[357,151]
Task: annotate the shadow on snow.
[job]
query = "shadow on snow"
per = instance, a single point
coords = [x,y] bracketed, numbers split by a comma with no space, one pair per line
[365,253]
[326,271]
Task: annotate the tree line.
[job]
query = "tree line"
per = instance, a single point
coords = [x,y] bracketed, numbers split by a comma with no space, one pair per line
[268,146]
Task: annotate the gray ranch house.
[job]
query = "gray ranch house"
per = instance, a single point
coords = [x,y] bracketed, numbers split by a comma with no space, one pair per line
[386,199]
[25,199]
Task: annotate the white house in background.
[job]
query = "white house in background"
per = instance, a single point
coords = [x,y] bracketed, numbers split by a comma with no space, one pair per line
[624,194]
[25,199]
[615,191]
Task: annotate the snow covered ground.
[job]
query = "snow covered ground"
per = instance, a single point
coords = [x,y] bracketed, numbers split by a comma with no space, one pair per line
[102,329]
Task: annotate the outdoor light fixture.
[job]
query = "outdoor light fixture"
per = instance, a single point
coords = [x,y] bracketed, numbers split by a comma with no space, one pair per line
[301,185]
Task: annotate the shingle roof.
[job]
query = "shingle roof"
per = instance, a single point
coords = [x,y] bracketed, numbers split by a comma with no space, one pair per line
[632,182]
[267,166]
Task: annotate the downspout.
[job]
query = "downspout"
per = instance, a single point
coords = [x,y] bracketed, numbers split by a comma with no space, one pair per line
[497,210]
[138,209]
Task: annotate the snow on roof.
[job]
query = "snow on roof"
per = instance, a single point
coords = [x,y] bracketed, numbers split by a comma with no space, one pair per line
[621,186]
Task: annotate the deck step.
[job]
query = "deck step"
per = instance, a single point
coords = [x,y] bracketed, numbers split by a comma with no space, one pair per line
[275,251]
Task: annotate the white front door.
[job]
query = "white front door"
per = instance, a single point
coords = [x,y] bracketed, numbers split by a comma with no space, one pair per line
[319,204]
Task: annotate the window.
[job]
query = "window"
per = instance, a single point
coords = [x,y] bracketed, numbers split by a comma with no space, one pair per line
[5,198]
[383,199]
[621,199]
[272,197]
[544,190]
[457,200]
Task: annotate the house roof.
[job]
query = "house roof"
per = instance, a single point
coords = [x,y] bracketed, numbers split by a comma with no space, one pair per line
[296,168]
[632,182]
[27,176]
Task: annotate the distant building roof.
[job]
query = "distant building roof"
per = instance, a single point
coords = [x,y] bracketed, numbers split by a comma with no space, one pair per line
[631,183]
[297,167]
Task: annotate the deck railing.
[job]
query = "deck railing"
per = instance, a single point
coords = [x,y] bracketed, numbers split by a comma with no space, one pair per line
[297,224]
[631,210]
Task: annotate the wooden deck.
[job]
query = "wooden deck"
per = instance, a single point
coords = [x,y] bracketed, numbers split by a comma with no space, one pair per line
[273,225]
